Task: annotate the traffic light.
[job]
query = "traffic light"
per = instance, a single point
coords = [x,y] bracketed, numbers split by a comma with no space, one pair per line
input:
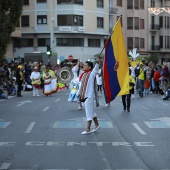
[49,52]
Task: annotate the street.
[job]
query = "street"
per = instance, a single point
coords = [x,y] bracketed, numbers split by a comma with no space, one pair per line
[44,133]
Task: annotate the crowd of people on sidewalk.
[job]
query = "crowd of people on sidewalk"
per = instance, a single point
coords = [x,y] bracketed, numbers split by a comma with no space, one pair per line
[17,76]
[152,78]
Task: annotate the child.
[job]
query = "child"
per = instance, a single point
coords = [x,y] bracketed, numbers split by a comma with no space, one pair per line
[147,84]
[167,93]
[3,95]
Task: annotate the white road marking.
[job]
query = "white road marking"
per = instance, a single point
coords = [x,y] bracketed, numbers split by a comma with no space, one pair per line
[2,100]
[57,100]
[145,108]
[31,125]
[139,129]
[150,105]
[5,166]
[67,94]
[6,124]
[45,109]
[163,103]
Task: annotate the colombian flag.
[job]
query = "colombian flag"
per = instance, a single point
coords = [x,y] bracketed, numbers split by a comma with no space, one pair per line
[115,65]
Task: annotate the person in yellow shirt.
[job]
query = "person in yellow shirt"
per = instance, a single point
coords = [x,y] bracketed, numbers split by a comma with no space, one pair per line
[141,76]
[126,99]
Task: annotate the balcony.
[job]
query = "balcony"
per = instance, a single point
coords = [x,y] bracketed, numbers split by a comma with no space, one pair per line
[113,10]
[155,48]
[69,29]
[155,27]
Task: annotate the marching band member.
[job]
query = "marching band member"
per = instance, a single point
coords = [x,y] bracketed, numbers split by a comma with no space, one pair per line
[36,81]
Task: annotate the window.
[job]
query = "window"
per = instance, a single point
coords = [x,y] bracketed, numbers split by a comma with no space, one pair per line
[137,42]
[41,1]
[168,42]
[165,22]
[136,4]
[41,19]
[25,2]
[100,4]
[100,22]
[70,20]
[93,42]
[136,23]
[80,2]
[119,2]
[130,23]
[168,20]
[142,24]
[25,21]
[130,42]
[23,42]
[129,4]
[161,41]
[42,42]
[152,3]
[78,42]
[141,4]
[142,43]
[161,21]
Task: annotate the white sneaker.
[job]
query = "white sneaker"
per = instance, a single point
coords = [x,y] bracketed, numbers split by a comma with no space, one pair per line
[107,105]
[38,95]
[33,94]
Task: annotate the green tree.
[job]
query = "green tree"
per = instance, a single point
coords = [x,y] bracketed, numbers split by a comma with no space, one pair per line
[154,59]
[10,12]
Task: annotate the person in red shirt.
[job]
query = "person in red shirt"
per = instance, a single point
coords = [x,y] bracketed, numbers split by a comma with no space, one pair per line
[147,84]
[156,78]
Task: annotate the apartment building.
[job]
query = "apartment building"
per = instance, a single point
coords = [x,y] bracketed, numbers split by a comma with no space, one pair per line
[79,27]
[159,31]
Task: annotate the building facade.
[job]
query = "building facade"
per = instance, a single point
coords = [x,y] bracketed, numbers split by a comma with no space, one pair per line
[81,27]
[159,31]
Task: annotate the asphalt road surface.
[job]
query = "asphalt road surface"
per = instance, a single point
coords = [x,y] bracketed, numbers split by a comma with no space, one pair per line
[44,133]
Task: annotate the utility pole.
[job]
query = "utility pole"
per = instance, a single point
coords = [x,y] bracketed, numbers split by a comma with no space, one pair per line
[51,27]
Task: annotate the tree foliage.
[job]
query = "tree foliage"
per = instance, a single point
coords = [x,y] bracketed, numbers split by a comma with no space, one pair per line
[10,12]
[154,59]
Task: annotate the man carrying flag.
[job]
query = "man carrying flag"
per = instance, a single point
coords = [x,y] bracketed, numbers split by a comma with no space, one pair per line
[115,65]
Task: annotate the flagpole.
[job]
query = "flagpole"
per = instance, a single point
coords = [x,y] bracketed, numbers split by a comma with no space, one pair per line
[109,36]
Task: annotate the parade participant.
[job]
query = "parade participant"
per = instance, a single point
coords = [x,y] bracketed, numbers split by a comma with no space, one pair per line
[74,85]
[50,84]
[126,99]
[61,86]
[86,94]
[19,79]
[36,81]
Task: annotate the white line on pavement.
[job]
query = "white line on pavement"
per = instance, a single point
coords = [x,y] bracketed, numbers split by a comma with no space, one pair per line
[5,166]
[163,103]
[67,94]
[57,100]
[139,129]
[6,124]
[31,125]
[45,109]
[145,108]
